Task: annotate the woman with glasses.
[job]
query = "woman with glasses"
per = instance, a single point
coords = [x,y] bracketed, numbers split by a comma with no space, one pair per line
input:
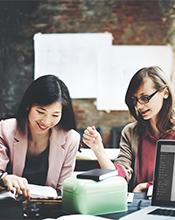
[150,102]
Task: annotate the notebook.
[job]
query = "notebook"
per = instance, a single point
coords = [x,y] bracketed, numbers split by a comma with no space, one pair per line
[163,198]
[97,174]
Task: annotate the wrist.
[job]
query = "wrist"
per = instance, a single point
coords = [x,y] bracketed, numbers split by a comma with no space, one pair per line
[149,184]
[99,151]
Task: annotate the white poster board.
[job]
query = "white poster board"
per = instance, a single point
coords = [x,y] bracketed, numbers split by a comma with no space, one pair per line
[92,68]
[117,65]
[73,58]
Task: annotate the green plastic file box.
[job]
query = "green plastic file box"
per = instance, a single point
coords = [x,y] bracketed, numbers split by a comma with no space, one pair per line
[87,196]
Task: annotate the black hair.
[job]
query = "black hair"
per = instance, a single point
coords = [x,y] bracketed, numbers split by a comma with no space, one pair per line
[43,91]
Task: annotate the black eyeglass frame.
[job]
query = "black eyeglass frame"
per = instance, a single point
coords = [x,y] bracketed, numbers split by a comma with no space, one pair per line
[140,100]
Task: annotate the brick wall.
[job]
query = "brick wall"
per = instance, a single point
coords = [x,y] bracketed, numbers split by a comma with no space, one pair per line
[130,21]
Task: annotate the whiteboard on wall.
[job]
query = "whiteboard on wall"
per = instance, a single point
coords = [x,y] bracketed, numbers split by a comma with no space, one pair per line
[92,67]
[73,58]
[117,65]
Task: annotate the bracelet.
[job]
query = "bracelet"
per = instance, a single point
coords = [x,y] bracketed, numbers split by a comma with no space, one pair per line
[149,184]
[2,175]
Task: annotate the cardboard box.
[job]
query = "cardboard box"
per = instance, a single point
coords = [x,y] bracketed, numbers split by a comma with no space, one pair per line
[87,196]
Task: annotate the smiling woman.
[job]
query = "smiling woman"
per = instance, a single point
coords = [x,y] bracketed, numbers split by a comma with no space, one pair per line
[39,146]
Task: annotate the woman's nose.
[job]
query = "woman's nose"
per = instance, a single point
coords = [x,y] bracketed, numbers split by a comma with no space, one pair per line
[46,121]
[139,105]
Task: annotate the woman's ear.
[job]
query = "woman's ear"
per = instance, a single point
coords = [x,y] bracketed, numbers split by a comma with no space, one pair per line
[166,93]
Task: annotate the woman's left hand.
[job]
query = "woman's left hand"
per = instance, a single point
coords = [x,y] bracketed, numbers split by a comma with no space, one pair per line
[141,187]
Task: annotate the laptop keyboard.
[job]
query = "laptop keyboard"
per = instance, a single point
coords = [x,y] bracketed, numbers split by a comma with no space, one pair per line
[166,212]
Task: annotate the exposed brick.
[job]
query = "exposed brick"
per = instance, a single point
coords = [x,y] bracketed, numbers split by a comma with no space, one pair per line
[130,21]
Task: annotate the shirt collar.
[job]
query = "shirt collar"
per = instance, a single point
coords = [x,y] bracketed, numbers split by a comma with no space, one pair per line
[147,134]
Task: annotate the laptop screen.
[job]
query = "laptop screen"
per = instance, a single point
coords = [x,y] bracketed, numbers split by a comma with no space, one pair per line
[164,175]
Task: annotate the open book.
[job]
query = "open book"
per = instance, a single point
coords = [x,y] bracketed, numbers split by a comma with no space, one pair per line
[42,192]
[6,194]
[37,192]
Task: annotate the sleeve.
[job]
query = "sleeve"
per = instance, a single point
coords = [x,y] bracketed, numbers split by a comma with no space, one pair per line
[73,141]
[125,160]
[121,170]
[4,159]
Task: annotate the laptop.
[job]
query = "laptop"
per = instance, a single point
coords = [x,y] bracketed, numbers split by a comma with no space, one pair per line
[163,197]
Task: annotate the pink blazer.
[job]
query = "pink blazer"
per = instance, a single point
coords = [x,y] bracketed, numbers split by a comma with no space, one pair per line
[62,151]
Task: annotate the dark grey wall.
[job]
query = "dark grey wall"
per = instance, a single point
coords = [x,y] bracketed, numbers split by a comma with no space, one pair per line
[16,52]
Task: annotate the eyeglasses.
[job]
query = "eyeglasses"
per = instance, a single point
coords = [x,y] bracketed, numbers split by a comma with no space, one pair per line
[142,99]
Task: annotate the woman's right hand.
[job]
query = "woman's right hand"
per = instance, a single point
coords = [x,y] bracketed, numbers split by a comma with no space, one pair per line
[18,184]
[92,138]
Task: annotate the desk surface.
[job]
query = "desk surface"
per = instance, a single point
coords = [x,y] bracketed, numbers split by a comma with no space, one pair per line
[55,212]
[88,154]
[86,159]
[52,211]
[139,202]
